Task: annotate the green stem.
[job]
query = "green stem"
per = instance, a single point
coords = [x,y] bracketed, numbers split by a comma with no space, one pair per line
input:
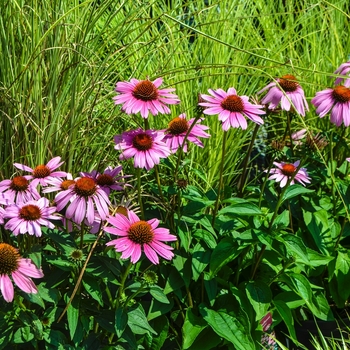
[221,177]
[180,150]
[156,172]
[265,180]
[242,179]
[82,229]
[139,197]
[122,282]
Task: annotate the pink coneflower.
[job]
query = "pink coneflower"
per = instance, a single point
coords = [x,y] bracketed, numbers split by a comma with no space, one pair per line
[29,217]
[177,130]
[285,171]
[285,91]
[144,96]
[58,184]
[231,108]
[337,100]
[146,146]
[109,179]
[19,268]
[343,69]
[83,195]
[43,173]
[137,235]
[19,190]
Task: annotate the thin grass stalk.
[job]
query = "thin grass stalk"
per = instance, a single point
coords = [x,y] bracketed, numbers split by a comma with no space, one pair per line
[216,207]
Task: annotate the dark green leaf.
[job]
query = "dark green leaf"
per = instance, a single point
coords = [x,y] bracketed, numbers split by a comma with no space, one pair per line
[158,294]
[226,251]
[295,190]
[259,294]
[285,313]
[161,326]
[93,288]
[228,327]
[192,326]
[200,260]
[138,323]
[72,315]
[121,320]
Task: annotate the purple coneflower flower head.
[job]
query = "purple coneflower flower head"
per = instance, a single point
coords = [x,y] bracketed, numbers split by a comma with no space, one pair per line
[231,108]
[21,270]
[344,70]
[337,100]
[83,196]
[43,173]
[19,190]
[285,91]
[146,146]
[137,235]
[177,130]
[109,179]
[58,184]
[284,171]
[29,217]
[144,96]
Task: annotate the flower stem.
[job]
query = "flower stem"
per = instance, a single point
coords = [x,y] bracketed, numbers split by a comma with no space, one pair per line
[139,197]
[242,180]
[122,282]
[180,151]
[221,177]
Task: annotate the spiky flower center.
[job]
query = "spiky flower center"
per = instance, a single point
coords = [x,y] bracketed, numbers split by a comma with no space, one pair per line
[30,212]
[41,171]
[145,90]
[85,187]
[142,142]
[105,180]
[232,103]
[66,183]
[141,232]
[178,126]
[9,259]
[288,83]
[288,169]
[122,210]
[341,94]
[77,254]
[19,184]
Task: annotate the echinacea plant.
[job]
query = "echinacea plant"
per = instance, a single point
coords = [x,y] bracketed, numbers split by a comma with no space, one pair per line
[161,258]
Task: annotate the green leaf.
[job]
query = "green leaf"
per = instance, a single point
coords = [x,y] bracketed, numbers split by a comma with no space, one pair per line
[295,190]
[318,225]
[285,313]
[295,247]
[240,206]
[72,315]
[23,335]
[93,288]
[161,326]
[138,323]
[317,259]
[158,294]
[157,309]
[211,287]
[200,260]
[259,294]
[121,320]
[226,251]
[291,299]
[173,282]
[228,327]
[192,326]
[341,272]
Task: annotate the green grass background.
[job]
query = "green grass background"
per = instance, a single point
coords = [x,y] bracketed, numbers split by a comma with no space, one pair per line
[60,61]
